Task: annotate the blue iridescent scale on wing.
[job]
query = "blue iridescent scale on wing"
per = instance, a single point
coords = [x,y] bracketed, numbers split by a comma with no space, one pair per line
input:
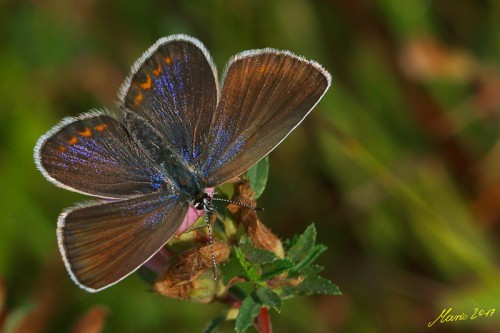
[181,99]
[88,152]
[157,180]
[168,89]
[94,154]
[224,149]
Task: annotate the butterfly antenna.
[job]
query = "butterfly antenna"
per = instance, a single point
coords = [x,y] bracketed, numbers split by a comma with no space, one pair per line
[238,203]
[211,242]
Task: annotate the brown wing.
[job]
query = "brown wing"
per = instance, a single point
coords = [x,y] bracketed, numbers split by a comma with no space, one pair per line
[266,94]
[102,243]
[93,154]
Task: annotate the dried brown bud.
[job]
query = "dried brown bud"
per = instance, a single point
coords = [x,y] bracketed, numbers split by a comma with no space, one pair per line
[190,275]
[260,235]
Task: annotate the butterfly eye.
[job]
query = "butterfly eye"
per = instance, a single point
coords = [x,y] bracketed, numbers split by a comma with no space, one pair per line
[204,202]
[199,205]
[207,204]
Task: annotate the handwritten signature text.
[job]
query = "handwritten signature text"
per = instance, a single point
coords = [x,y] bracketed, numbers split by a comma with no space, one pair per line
[447,316]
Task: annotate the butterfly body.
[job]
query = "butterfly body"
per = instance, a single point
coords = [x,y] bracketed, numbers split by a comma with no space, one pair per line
[153,166]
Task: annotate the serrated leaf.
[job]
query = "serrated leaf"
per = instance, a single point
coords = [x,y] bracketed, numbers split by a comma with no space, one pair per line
[275,268]
[317,285]
[269,298]
[249,309]
[214,325]
[250,270]
[303,251]
[258,175]
[311,270]
[302,244]
[313,253]
[258,256]
[231,268]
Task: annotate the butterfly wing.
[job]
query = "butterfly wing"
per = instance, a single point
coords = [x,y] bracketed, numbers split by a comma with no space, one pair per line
[266,94]
[102,243]
[173,87]
[93,154]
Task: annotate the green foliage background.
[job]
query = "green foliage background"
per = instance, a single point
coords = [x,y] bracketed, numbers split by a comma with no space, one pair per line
[398,166]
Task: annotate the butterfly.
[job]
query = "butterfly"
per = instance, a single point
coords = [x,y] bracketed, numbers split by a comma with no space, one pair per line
[178,134]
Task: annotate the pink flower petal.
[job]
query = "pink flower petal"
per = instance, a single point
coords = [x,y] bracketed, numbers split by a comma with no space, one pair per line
[193,215]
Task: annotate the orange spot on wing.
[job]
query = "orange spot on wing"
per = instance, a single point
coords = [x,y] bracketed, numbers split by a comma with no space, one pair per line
[62,148]
[100,127]
[73,140]
[138,99]
[168,60]
[157,71]
[87,133]
[147,84]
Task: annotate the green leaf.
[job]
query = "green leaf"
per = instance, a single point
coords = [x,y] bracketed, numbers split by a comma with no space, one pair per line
[300,246]
[317,285]
[310,257]
[214,325]
[257,255]
[258,175]
[232,268]
[311,270]
[275,268]
[269,298]
[251,271]
[303,250]
[249,309]
[267,262]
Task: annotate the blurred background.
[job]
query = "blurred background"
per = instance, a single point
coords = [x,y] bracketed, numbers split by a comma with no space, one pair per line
[398,166]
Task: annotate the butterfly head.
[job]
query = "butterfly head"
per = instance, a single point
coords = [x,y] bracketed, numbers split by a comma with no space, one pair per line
[204,202]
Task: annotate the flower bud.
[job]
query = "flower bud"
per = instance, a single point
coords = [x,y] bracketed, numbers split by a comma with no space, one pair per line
[190,275]
[260,235]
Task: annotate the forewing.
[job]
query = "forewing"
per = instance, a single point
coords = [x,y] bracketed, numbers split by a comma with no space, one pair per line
[173,86]
[265,95]
[93,154]
[102,243]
